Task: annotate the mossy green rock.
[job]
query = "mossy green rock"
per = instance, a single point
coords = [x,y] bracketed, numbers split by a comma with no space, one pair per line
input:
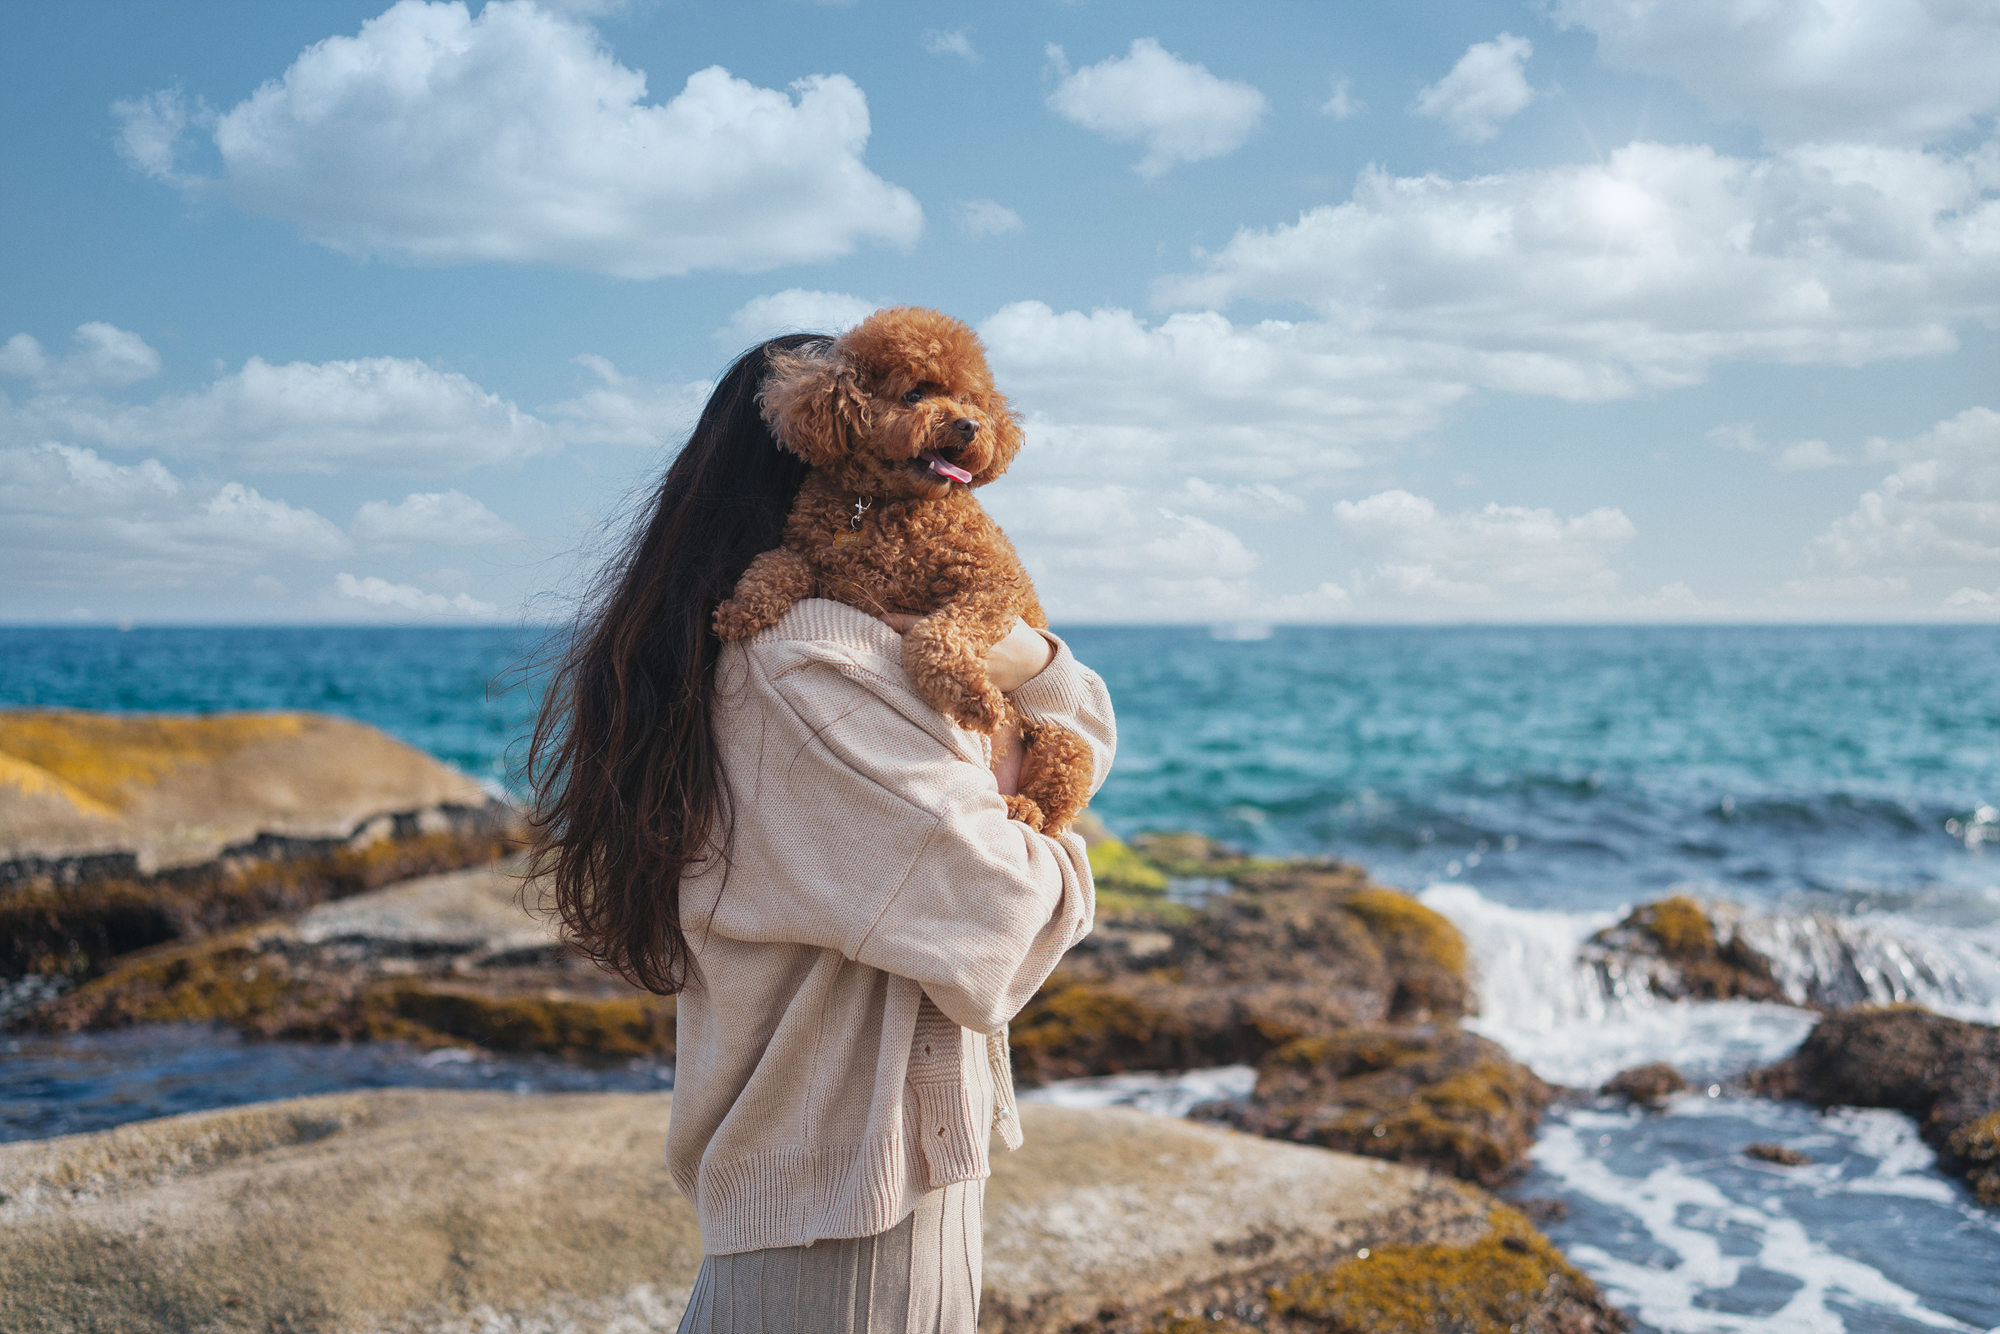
[1433,1097]
[1676,949]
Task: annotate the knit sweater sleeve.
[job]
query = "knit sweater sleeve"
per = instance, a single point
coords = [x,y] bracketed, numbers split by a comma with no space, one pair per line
[877,834]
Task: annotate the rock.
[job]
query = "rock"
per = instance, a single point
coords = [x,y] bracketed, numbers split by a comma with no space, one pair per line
[173,829]
[167,791]
[1649,1084]
[1776,1153]
[1290,950]
[412,1211]
[1510,1281]
[1673,948]
[1435,1097]
[443,960]
[1944,1072]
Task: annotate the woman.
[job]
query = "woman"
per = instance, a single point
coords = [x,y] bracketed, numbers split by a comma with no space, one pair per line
[823,869]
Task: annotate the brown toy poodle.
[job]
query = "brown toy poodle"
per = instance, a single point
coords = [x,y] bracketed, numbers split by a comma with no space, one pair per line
[900,421]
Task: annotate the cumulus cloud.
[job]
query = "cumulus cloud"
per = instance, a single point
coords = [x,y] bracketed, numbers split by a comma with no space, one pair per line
[1939,511]
[1180,111]
[984,217]
[1476,555]
[102,355]
[794,310]
[387,413]
[444,518]
[1876,71]
[373,593]
[624,410]
[70,518]
[1106,392]
[1600,280]
[1487,86]
[516,136]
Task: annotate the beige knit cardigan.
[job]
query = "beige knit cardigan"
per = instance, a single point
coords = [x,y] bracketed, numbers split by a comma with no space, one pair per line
[878,921]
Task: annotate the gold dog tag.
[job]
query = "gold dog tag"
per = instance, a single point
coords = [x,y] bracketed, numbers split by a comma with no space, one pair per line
[849,539]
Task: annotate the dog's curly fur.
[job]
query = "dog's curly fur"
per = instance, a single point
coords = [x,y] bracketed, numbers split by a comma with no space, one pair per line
[878,527]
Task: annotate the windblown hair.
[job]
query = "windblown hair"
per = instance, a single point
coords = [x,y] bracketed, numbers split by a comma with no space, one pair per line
[629,795]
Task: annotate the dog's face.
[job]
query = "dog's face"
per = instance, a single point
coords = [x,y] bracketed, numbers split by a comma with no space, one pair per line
[902,406]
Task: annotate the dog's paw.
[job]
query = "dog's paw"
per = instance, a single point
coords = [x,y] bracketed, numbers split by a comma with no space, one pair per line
[981,710]
[735,619]
[1026,811]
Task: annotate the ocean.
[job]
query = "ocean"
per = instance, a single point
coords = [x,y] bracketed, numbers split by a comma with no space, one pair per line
[1838,784]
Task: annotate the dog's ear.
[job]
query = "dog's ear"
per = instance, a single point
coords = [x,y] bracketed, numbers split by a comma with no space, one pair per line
[1007,439]
[813,405]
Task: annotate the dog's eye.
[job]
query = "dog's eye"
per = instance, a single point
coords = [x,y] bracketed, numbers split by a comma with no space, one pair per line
[914,397]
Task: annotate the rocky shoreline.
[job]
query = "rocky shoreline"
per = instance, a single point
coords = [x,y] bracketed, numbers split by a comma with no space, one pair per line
[1345,995]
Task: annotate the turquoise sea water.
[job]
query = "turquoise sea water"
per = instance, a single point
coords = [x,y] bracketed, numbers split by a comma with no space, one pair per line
[1547,767]
[1531,784]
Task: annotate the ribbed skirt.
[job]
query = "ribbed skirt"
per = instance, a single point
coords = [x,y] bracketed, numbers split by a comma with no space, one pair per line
[919,1277]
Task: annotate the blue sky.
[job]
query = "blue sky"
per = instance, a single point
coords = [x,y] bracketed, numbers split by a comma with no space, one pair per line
[1578,310]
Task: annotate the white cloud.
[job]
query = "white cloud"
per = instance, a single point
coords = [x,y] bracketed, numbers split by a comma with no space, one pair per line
[624,410]
[1106,392]
[957,42]
[1179,110]
[386,413]
[794,310]
[1487,85]
[984,217]
[1791,456]
[104,355]
[1973,599]
[1248,500]
[375,593]
[1937,512]
[1475,556]
[69,518]
[1884,71]
[445,518]
[151,128]
[1601,280]
[1343,105]
[516,136]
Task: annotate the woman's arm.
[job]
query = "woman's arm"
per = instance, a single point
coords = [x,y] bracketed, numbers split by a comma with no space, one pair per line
[860,827]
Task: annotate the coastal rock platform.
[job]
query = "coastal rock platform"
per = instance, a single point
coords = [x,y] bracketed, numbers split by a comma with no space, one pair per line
[449,1212]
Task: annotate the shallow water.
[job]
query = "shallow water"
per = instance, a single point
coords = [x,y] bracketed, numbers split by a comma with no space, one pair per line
[93,1081]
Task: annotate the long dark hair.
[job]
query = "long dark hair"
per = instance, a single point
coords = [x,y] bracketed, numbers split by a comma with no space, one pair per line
[627,780]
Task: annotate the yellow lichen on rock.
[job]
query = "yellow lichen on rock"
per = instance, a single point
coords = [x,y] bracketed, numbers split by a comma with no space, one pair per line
[32,780]
[107,755]
[1423,949]
[1114,866]
[1978,1142]
[1679,924]
[1510,1281]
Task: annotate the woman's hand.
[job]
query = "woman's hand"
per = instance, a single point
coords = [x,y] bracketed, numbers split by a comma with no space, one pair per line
[1010,664]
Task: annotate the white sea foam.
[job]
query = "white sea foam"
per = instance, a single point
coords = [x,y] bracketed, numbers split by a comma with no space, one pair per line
[1716,1230]
[1579,1020]
[1169,1094]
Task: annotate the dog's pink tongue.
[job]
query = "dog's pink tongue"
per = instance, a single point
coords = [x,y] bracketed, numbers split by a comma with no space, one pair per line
[945,468]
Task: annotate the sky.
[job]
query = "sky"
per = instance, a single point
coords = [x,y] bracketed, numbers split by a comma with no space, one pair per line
[1564,311]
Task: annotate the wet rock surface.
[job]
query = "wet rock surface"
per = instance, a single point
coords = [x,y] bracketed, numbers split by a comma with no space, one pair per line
[1944,1072]
[441,960]
[1677,949]
[1650,1084]
[434,1211]
[1432,1097]
[1277,951]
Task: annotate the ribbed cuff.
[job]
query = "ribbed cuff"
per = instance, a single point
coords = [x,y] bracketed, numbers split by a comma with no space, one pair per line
[1059,689]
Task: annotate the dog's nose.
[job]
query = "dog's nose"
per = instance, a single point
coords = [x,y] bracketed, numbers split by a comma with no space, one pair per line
[966,428]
